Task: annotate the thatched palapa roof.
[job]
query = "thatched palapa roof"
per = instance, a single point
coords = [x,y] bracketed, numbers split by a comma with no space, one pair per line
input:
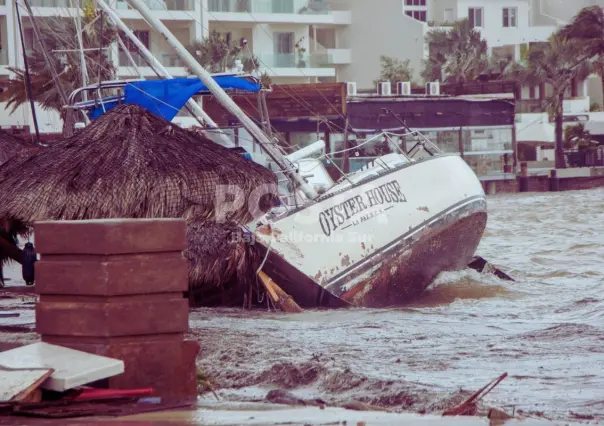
[10,145]
[131,164]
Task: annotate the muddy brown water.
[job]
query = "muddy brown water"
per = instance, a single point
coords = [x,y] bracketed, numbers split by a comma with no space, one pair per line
[546,329]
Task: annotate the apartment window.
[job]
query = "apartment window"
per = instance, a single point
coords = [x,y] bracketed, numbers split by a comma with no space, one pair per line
[420,15]
[475,16]
[218,5]
[283,6]
[510,17]
[415,2]
[284,49]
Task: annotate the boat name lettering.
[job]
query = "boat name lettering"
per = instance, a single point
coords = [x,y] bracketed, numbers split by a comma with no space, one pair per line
[334,217]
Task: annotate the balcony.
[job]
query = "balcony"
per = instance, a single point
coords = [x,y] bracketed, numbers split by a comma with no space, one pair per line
[294,60]
[175,5]
[297,65]
[579,105]
[339,56]
[268,11]
[268,6]
[167,59]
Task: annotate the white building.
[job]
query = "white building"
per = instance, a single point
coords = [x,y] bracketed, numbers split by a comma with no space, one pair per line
[296,41]
[341,40]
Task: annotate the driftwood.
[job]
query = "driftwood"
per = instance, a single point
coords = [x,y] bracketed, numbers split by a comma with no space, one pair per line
[469,404]
[281,299]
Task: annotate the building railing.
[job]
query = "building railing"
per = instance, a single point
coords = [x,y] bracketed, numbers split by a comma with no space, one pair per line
[269,6]
[585,157]
[529,106]
[174,5]
[121,4]
[294,60]
[167,59]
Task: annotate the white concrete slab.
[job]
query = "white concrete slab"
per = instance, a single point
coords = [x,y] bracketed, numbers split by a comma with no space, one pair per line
[72,368]
[16,381]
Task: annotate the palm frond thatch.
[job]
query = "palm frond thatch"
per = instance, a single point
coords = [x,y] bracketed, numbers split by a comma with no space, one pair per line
[132,164]
[11,145]
[219,260]
[59,39]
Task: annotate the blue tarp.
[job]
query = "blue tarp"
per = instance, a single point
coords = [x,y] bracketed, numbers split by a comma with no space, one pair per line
[166,97]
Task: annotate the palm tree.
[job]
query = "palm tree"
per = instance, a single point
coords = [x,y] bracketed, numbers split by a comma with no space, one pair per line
[217,55]
[587,29]
[59,37]
[555,64]
[394,70]
[457,55]
[577,136]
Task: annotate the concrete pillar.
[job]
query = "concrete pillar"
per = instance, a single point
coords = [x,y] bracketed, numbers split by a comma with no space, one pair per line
[491,188]
[114,48]
[12,42]
[202,28]
[116,288]
[517,52]
[554,181]
[523,178]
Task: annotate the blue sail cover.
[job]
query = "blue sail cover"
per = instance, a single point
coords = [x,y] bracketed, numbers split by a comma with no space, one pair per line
[166,97]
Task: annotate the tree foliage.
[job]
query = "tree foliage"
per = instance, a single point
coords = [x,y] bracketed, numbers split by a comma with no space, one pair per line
[587,27]
[557,65]
[58,35]
[577,137]
[394,70]
[456,55]
[217,55]
[587,30]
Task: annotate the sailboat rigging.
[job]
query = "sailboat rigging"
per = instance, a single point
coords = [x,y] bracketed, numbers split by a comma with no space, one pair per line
[376,237]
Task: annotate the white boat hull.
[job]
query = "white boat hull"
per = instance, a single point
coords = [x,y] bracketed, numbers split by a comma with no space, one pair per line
[382,241]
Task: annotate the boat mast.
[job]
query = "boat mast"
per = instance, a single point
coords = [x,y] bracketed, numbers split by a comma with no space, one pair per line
[223,97]
[155,64]
[27,76]
[78,24]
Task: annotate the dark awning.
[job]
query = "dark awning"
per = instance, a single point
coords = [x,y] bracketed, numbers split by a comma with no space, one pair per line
[366,115]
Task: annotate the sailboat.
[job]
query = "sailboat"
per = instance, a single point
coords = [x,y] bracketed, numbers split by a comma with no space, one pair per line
[376,237]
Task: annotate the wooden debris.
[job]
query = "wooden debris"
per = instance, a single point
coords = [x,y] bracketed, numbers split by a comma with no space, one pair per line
[280,298]
[22,384]
[469,405]
[496,415]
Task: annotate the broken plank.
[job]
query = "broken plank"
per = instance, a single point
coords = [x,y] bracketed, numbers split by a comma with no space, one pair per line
[18,384]
[280,298]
